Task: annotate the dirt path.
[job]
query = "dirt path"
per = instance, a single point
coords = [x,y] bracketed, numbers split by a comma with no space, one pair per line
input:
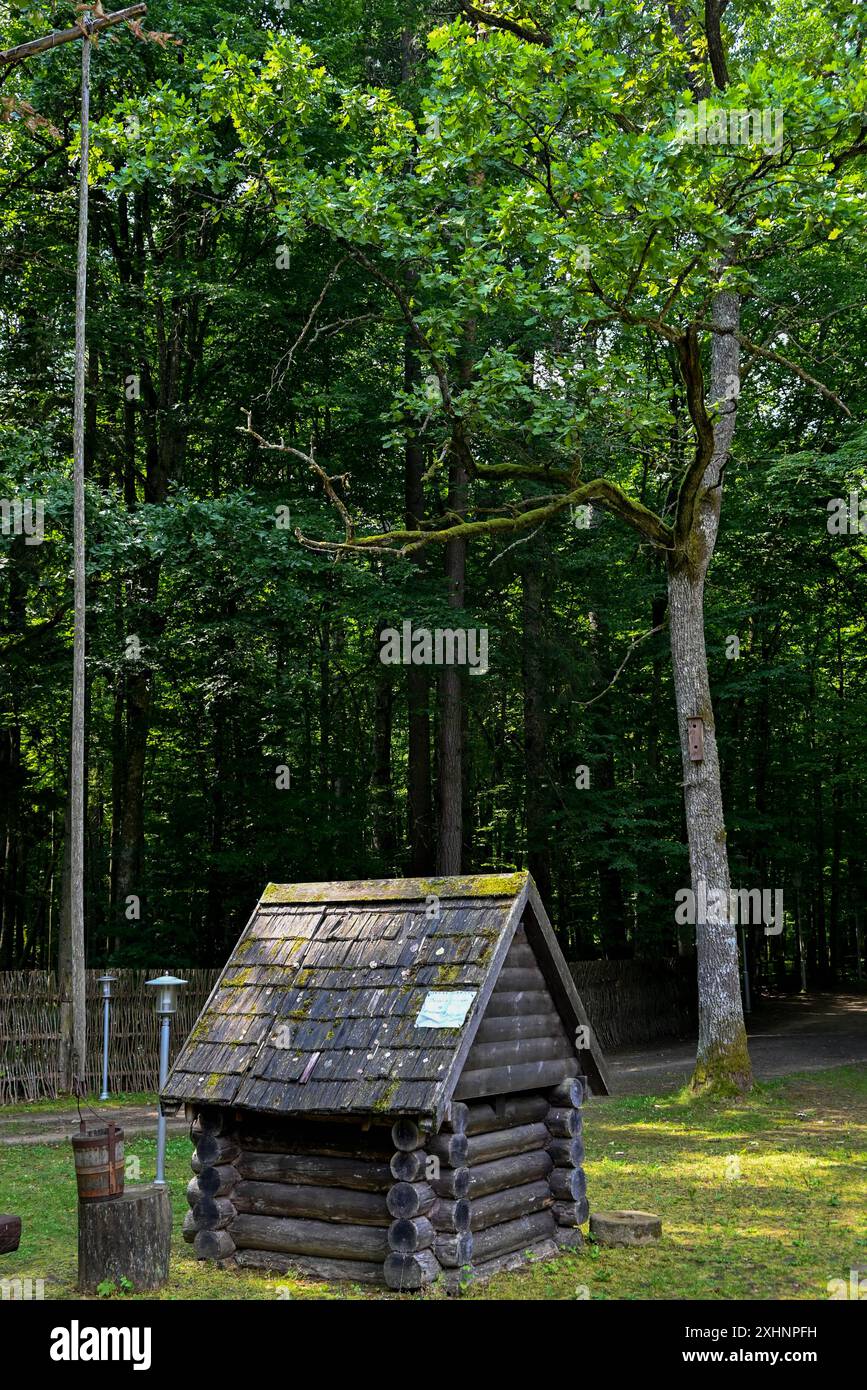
[787,1034]
[55,1126]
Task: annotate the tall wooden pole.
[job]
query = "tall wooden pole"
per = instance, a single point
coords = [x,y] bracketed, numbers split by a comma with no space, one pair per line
[76,789]
[71,956]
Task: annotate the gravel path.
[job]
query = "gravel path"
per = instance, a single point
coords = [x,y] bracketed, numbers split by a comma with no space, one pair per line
[789,1033]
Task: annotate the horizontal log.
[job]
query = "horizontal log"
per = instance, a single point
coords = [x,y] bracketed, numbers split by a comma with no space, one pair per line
[513,1235]
[521,952]
[408,1234]
[453,1280]
[509,1204]
[408,1165]
[446,1215]
[564,1123]
[452,1182]
[59,36]
[568,1237]
[570,1092]
[514,1171]
[213,1213]
[213,1150]
[289,1236]
[519,1052]
[410,1199]
[519,978]
[405,1134]
[484,1148]
[515,1003]
[492,1080]
[313,1170]
[567,1153]
[316,1203]
[567,1184]
[454,1250]
[406,1273]
[213,1245]
[189,1228]
[484,1115]
[449,1148]
[571,1213]
[212,1182]
[517,1026]
[358,1271]
[338,1141]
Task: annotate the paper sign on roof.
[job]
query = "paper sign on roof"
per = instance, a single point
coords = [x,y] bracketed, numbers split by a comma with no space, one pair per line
[445,1008]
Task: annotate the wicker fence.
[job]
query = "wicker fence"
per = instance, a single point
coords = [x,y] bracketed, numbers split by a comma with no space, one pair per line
[30,1031]
[635,1001]
[628,1001]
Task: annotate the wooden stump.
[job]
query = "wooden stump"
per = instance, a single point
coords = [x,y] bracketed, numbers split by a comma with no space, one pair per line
[625,1227]
[10,1233]
[126,1237]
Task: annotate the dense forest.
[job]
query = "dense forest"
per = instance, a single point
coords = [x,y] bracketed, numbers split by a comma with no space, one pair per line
[406,271]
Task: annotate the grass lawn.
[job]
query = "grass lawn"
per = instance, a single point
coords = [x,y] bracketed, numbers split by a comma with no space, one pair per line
[88,1103]
[760,1198]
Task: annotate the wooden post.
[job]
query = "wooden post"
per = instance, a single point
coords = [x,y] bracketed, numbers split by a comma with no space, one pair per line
[76,770]
[72,955]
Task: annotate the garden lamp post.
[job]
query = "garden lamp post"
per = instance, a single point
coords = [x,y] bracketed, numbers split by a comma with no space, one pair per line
[106,981]
[167,987]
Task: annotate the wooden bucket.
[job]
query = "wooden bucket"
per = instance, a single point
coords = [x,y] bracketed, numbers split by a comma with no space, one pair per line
[99,1162]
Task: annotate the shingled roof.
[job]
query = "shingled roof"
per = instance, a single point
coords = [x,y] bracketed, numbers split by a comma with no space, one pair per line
[316,1012]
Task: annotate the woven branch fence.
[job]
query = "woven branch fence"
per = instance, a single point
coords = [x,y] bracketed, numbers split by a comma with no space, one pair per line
[30,1031]
[635,1001]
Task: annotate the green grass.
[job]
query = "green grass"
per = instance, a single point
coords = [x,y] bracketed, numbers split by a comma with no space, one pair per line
[792,1220]
[37,1107]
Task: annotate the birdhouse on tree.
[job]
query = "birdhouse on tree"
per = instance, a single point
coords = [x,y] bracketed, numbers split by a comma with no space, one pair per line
[386,1084]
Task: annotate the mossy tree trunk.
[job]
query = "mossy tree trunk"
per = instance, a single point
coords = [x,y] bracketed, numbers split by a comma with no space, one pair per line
[722,1061]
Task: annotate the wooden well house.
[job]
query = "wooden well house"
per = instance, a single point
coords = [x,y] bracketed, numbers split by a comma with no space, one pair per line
[386,1085]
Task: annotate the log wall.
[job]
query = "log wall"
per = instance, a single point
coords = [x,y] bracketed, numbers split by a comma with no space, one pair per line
[283,1195]
[503,1178]
[521,1042]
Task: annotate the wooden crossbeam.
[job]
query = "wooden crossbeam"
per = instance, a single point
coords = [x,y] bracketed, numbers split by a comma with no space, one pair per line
[58,36]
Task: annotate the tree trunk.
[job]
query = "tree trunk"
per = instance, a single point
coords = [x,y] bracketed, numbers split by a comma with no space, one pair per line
[382,791]
[419,798]
[536,789]
[450,733]
[722,1060]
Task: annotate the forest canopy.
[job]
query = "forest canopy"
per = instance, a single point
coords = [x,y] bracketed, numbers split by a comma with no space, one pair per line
[403,313]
